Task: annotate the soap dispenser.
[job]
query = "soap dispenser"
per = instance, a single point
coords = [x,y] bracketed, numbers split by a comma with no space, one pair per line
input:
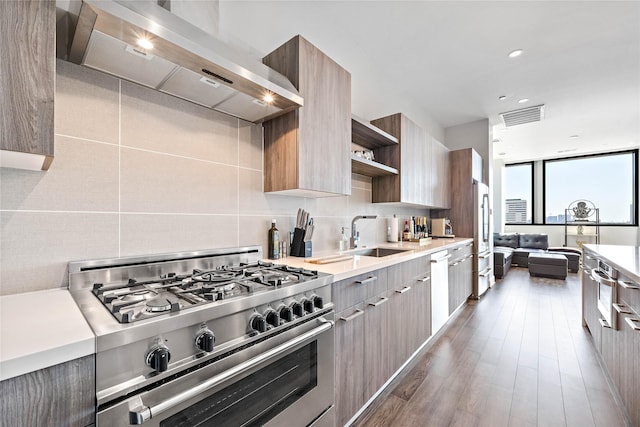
[344,241]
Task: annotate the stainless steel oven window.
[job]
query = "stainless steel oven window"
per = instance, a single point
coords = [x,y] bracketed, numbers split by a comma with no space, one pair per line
[257,398]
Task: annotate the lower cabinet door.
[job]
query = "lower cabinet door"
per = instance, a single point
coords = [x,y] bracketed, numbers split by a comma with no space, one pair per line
[61,395]
[349,374]
[377,367]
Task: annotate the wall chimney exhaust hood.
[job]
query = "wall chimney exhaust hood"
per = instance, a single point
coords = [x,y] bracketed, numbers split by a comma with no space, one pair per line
[178,58]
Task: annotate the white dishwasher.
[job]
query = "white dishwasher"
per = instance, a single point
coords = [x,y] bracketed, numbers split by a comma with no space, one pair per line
[439,290]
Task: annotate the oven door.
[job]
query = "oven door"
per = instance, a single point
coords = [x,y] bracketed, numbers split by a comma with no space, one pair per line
[285,380]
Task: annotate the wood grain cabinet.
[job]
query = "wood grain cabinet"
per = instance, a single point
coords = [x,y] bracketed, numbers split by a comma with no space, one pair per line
[421,161]
[628,381]
[27,82]
[360,365]
[409,309]
[460,275]
[61,395]
[463,170]
[619,347]
[369,137]
[307,151]
[438,196]
[383,318]
[590,312]
[349,363]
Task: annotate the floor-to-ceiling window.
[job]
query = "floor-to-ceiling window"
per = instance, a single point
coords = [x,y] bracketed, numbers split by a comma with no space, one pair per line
[608,181]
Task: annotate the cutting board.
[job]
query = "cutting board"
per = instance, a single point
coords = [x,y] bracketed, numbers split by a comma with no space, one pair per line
[329,260]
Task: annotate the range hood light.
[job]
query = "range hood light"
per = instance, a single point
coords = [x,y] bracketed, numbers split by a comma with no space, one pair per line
[209,82]
[139,52]
[268,98]
[145,43]
[515,53]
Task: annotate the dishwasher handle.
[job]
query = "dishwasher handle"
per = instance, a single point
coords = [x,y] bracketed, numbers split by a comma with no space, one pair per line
[437,260]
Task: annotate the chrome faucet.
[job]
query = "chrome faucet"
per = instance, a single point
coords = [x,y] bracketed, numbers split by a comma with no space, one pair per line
[355,235]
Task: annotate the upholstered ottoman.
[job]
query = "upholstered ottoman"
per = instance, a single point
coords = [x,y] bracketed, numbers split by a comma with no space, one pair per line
[548,265]
[573,256]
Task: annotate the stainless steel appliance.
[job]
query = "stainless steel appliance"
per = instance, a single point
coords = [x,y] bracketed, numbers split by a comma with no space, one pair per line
[606,278]
[208,338]
[482,238]
[143,42]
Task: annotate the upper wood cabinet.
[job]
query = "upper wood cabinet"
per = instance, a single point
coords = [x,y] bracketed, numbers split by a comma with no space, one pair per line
[369,137]
[462,171]
[307,151]
[27,79]
[422,164]
[439,167]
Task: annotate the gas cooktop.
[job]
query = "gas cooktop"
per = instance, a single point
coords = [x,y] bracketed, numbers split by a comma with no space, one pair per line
[136,300]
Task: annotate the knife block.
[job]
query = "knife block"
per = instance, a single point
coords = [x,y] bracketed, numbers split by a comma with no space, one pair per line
[298,243]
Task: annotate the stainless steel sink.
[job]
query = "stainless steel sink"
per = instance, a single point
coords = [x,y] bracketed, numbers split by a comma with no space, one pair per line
[379,252]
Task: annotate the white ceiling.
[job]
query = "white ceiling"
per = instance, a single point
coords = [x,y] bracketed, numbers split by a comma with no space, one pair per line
[447,62]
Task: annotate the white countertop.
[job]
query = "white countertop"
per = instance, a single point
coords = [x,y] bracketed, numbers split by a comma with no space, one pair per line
[364,264]
[624,258]
[57,334]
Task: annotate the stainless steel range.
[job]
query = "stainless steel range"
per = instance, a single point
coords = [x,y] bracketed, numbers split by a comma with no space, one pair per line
[208,338]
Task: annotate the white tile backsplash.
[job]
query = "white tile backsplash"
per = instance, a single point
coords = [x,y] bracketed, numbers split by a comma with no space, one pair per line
[141,172]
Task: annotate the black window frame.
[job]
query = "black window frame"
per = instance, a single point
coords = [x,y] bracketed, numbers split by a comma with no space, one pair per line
[633,152]
[533,195]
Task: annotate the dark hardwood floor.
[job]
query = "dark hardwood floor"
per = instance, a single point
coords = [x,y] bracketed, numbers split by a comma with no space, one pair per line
[517,357]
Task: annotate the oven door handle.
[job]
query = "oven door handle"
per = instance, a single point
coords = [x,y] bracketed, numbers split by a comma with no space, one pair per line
[601,277]
[145,413]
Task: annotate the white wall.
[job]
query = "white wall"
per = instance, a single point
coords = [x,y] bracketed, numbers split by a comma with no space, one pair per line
[472,135]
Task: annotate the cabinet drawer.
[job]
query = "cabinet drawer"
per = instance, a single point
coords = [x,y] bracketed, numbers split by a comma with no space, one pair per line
[629,291]
[406,272]
[484,262]
[354,290]
[461,251]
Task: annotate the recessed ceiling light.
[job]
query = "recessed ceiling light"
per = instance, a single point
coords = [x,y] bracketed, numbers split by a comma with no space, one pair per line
[145,43]
[502,154]
[574,136]
[502,97]
[523,100]
[515,53]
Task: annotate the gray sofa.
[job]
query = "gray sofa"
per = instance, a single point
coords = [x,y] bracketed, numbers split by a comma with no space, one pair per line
[514,249]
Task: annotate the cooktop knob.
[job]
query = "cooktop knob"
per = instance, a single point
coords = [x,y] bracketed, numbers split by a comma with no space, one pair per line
[258,323]
[205,339]
[158,357]
[317,301]
[286,313]
[297,308]
[272,318]
[308,305]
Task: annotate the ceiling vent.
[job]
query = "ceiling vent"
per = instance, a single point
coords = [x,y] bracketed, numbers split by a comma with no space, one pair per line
[522,116]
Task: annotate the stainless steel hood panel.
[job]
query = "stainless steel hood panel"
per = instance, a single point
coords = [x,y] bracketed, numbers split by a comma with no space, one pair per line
[185,61]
